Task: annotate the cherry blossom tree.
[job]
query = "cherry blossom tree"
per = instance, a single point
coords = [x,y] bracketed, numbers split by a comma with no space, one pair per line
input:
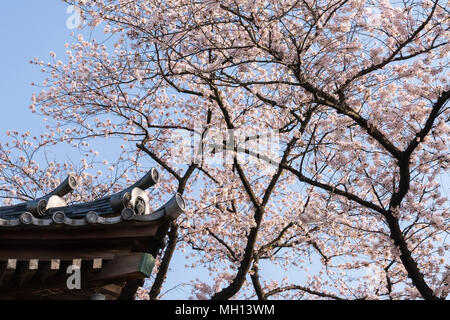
[357,92]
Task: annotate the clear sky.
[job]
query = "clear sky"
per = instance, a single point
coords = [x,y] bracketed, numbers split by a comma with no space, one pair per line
[28,28]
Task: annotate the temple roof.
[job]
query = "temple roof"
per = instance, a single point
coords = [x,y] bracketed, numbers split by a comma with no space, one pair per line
[131,204]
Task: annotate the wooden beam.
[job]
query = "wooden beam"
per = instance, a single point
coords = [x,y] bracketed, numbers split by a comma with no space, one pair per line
[127,266]
[63,251]
[113,290]
[25,271]
[8,268]
[96,232]
[124,267]
[43,271]
[3,266]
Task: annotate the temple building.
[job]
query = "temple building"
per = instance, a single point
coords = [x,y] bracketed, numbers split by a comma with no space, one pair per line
[102,249]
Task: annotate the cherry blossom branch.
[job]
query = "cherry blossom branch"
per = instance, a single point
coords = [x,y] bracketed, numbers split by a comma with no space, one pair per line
[394,53]
[159,161]
[164,266]
[435,111]
[335,190]
[304,289]
[256,283]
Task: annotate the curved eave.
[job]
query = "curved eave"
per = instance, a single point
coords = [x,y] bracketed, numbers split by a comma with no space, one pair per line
[170,211]
[92,219]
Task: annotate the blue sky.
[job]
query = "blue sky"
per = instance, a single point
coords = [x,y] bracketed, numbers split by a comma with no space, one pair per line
[28,28]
